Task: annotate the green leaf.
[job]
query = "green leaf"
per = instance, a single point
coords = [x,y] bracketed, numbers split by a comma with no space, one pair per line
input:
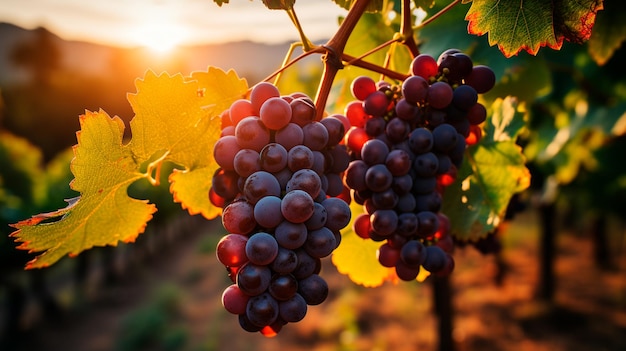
[104,214]
[494,170]
[609,32]
[531,24]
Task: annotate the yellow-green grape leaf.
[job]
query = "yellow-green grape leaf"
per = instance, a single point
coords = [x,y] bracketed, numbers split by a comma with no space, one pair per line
[494,170]
[191,189]
[531,24]
[104,214]
[356,257]
[177,119]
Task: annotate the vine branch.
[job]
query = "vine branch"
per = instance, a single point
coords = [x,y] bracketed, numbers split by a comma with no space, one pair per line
[334,50]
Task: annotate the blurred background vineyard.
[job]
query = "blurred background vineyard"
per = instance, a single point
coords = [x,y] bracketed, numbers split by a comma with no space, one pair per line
[554,277]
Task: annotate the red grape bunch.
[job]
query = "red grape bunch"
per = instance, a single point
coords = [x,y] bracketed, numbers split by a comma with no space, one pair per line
[278,183]
[407,142]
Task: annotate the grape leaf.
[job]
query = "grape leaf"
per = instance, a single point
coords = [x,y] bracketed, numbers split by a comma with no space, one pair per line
[103,214]
[176,119]
[531,24]
[609,32]
[494,170]
[191,190]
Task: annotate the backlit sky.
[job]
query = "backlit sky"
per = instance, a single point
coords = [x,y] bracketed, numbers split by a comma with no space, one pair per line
[170,22]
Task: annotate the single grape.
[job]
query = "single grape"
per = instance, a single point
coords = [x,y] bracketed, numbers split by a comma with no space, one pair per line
[302,111]
[253,279]
[238,217]
[251,133]
[397,130]
[476,114]
[415,89]
[231,250]
[291,235]
[354,176]
[293,309]
[239,110]
[234,300]
[378,177]
[335,128]
[261,248]
[289,136]
[320,242]
[362,87]
[384,222]
[307,265]
[439,95]
[413,253]
[246,162]
[260,93]
[376,104]
[313,289]
[273,157]
[445,137]
[398,162]
[224,152]
[338,213]
[275,113]
[424,65]
[286,261]
[267,212]
[225,183]
[421,140]
[482,78]
[300,157]
[283,286]
[262,310]
[464,97]
[260,184]
[387,255]
[374,152]
[297,206]
[307,180]
[426,165]
[315,136]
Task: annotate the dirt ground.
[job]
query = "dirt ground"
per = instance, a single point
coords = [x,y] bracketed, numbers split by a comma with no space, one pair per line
[173,303]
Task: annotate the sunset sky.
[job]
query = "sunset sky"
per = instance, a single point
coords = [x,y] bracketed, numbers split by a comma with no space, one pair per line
[167,23]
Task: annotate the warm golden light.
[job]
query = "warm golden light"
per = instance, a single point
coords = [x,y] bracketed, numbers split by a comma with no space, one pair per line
[160,35]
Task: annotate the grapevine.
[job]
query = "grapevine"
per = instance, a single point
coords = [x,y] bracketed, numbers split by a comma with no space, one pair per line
[290,180]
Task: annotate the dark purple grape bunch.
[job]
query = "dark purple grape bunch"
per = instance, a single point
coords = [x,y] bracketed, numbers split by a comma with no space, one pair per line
[279,183]
[407,142]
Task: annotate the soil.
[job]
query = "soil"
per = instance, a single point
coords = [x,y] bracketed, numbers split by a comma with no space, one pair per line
[172,302]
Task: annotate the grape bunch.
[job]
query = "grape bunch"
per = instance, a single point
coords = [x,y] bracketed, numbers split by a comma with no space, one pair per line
[279,183]
[407,142]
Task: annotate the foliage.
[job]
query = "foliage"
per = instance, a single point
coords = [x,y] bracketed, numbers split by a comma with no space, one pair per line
[174,122]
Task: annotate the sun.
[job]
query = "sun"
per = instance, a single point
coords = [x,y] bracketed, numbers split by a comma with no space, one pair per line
[158,35]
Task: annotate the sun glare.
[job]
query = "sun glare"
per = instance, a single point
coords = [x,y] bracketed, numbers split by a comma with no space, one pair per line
[158,35]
